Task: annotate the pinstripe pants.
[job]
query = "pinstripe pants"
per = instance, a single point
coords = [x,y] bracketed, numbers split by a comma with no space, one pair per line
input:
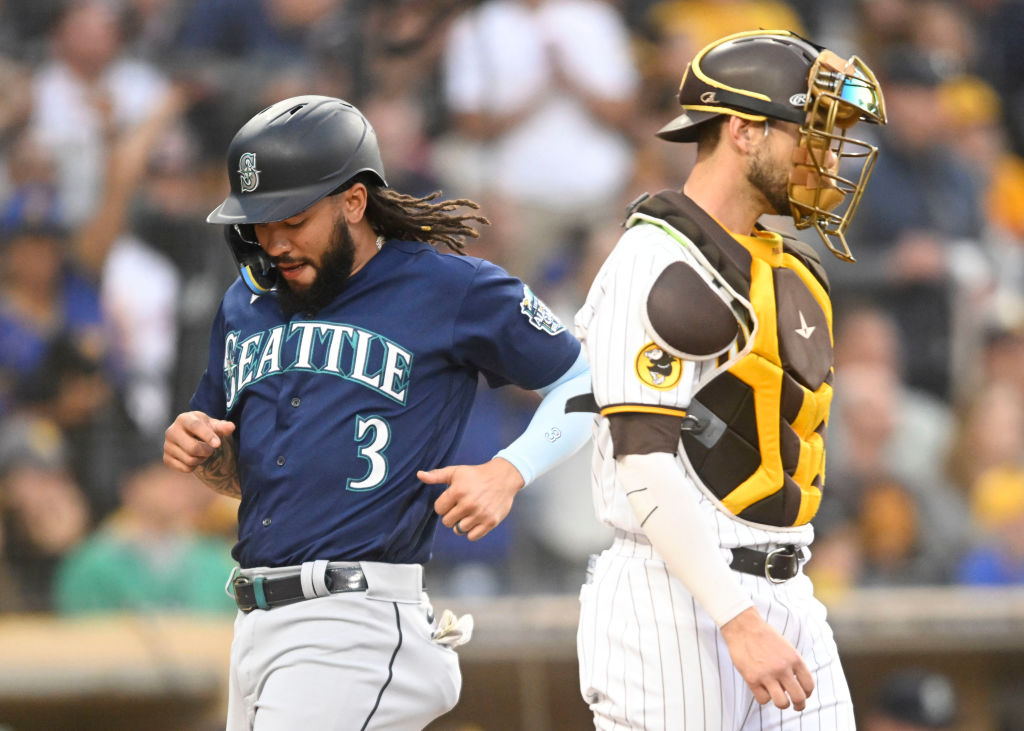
[651,658]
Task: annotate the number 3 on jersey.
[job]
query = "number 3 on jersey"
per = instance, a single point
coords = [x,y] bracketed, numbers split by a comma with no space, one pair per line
[373,436]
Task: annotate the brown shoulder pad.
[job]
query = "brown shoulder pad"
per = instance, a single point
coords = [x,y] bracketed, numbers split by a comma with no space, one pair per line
[687,316]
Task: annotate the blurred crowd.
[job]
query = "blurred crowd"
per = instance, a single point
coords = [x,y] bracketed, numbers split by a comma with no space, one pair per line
[114,119]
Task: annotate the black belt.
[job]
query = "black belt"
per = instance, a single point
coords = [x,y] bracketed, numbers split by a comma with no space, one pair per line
[778,565]
[267,592]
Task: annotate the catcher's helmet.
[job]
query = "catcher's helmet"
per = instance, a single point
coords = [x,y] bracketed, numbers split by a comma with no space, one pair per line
[776,74]
[283,160]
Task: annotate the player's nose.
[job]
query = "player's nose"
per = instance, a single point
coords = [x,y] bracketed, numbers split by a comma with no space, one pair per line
[273,239]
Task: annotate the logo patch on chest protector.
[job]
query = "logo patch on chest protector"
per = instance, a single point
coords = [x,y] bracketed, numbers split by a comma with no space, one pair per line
[538,313]
[657,369]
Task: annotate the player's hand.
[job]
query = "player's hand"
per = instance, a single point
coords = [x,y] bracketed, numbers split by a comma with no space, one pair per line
[771,666]
[478,496]
[192,438]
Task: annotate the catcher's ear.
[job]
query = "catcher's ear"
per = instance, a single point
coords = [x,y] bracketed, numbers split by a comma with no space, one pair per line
[738,130]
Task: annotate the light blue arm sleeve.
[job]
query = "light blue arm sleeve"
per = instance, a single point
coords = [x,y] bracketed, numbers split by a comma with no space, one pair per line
[552,434]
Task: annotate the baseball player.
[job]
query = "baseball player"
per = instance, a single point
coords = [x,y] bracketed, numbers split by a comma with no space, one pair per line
[710,340]
[342,367]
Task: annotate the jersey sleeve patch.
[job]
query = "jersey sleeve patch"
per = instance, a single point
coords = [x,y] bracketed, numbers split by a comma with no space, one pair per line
[658,369]
[538,313]
[686,317]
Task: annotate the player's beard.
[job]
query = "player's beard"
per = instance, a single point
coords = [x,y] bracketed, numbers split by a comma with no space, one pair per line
[771,181]
[332,273]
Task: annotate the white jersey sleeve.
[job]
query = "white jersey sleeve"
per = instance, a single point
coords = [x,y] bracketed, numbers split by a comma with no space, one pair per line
[631,372]
[615,341]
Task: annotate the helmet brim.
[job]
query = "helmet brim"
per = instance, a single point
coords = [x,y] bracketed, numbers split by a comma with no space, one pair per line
[266,207]
[686,126]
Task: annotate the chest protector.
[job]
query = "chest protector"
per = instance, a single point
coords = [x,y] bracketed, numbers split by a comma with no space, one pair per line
[756,426]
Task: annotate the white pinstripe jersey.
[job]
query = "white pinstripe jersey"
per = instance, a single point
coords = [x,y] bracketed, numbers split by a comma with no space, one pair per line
[611,327]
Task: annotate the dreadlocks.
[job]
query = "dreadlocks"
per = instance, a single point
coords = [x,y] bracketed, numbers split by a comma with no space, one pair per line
[407,218]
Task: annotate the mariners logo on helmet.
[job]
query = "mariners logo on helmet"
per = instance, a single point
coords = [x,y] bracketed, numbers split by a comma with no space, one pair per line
[248,175]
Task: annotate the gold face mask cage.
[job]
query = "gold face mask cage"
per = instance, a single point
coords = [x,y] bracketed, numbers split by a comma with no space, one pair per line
[831,169]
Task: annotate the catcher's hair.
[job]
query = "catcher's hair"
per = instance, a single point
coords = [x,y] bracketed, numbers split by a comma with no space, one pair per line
[407,218]
[709,134]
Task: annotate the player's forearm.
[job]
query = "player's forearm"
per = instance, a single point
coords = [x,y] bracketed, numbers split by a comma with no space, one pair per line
[553,435]
[670,517]
[220,471]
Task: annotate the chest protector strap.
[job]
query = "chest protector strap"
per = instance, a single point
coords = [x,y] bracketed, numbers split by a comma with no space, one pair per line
[758,440]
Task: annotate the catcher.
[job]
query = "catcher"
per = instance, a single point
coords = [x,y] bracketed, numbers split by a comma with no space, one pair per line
[710,463]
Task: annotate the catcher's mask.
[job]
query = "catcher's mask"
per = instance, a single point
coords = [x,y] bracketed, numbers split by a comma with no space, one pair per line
[283,160]
[777,74]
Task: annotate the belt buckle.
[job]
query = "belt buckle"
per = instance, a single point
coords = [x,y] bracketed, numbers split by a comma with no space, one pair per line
[235,584]
[339,580]
[780,551]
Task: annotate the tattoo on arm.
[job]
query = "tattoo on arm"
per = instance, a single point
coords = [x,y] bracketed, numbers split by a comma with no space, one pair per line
[220,471]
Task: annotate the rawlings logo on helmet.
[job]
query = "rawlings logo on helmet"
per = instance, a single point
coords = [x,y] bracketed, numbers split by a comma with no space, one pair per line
[709,97]
[248,175]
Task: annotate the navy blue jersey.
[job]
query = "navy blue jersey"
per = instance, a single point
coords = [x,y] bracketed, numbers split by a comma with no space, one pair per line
[335,413]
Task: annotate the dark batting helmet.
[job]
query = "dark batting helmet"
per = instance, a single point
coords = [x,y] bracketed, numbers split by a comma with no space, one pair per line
[283,160]
[294,153]
[776,74]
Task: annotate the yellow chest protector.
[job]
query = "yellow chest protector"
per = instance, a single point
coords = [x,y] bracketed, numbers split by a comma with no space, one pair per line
[758,423]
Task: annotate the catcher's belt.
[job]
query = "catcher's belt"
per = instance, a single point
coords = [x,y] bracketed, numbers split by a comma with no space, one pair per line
[778,565]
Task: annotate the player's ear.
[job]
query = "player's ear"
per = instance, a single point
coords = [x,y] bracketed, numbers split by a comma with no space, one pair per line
[742,133]
[353,203]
